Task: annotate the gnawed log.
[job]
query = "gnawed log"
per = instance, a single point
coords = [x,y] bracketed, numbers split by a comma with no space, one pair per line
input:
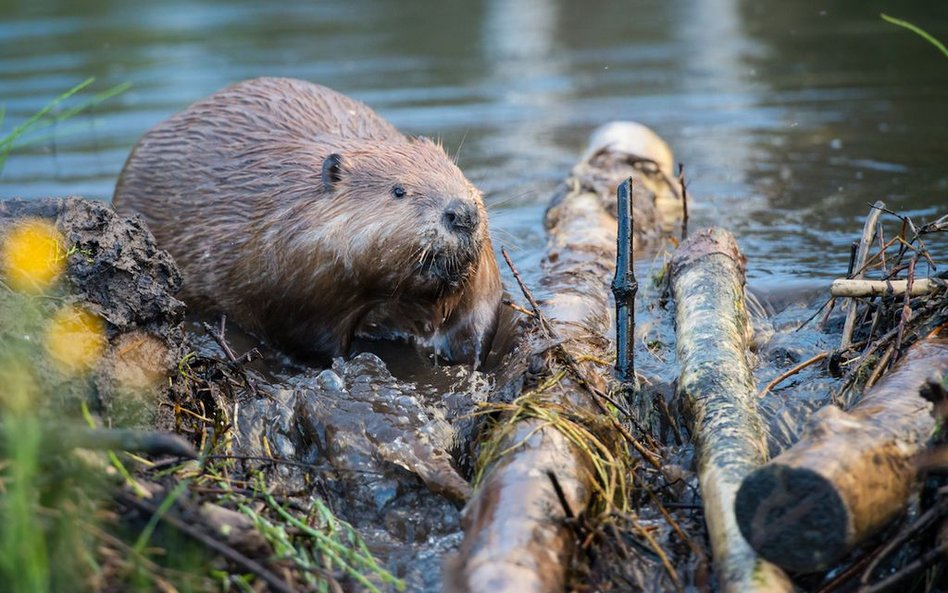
[516,537]
[707,275]
[849,474]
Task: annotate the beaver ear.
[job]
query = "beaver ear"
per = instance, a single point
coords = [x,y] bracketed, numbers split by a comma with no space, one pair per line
[332,170]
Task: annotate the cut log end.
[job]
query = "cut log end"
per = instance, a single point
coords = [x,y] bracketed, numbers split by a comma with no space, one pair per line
[793,517]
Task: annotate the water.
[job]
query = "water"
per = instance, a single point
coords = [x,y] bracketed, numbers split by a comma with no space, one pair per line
[790,117]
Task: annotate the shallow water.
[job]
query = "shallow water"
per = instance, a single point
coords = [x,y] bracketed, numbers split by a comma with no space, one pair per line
[790,117]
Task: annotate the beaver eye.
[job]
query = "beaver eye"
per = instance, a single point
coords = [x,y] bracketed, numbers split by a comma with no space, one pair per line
[398,191]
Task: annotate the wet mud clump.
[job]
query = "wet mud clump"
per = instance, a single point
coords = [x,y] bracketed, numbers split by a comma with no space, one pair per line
[106,329]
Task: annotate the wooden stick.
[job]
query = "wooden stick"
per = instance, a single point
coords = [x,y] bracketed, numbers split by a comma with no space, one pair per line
[868,233]
[845,287]
[684,201]
[849,474]
[624,287]
[707,276]
[792,372]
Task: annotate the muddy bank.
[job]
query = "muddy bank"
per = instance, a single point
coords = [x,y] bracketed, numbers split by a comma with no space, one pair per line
[113,271]
[354,476]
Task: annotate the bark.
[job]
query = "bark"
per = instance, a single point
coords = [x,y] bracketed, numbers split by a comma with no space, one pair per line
[516,537]
[849,474]
[707,275]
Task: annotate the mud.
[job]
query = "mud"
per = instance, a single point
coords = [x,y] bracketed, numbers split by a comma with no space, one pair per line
[115,271]
[386,438]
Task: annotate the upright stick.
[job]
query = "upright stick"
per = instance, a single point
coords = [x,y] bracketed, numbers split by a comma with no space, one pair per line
[624,287]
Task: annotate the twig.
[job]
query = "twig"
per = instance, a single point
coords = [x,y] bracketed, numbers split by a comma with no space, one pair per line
[684,201]
[792,372]
[290,462]
[906,304]
[853,249]
[920,524]
[224,550]
[848,573]
[868,233]
[560,495]
[829,301]
[917,233]
[930,557]
[883,340]
[118,439]
[236,362]
[624,287]
[660,552]
[573,366]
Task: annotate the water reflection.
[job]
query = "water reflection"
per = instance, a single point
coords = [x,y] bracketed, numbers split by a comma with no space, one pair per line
[791,117]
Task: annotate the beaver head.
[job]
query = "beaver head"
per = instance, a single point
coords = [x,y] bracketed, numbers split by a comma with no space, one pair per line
[398,218]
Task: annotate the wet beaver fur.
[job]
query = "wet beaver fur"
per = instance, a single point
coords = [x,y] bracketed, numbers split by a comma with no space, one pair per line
[307,218]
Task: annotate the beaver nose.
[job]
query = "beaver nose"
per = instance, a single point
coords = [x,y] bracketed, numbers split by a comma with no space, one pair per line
[460,216]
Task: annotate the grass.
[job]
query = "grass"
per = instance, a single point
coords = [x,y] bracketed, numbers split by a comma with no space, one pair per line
[918,31]
[610,467]
[47,116]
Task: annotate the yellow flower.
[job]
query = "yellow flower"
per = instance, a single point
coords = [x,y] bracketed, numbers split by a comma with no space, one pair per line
[32,255]
[75,339]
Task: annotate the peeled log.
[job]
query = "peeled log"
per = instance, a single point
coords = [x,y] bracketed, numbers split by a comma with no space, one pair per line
[707,276]
[844,287]
[516,539]
[849,474]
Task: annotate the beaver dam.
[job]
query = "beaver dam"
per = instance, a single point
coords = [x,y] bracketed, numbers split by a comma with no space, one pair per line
[660,428]
[727,377]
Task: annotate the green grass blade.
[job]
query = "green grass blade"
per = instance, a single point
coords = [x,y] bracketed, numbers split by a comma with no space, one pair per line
[36,121]
[167,503]
[9,139]
[917,30]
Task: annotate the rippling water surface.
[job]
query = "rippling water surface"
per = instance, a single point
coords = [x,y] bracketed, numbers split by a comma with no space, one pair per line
[790,117]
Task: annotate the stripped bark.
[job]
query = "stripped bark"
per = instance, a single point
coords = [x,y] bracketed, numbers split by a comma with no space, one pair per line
[850,473]
[707,275]
[516,537]
[843,287]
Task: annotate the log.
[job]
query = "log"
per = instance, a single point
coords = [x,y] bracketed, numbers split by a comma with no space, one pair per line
[844,287]
[516,538]
[717,386]
[849,474]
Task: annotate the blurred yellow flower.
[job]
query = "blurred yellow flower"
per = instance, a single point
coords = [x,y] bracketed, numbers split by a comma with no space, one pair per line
[75,339]
[32,255]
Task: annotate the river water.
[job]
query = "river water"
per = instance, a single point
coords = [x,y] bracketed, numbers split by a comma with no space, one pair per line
[790,117]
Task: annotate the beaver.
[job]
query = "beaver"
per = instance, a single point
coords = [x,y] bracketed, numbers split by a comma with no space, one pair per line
[307,218]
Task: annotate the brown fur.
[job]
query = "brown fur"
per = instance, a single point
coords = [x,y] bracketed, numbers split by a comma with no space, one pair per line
[236,188]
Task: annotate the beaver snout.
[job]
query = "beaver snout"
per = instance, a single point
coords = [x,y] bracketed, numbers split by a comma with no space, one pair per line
[460,217]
